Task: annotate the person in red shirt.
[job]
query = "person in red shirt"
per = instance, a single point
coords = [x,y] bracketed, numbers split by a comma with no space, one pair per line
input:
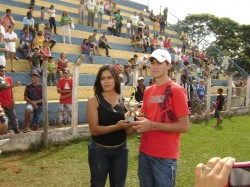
[64,88]
[7,101]
[165,115]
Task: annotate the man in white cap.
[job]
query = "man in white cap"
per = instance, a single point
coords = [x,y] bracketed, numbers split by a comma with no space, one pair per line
[166,115]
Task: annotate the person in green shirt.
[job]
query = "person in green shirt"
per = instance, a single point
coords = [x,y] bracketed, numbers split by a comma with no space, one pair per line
[66,22]
[51,71]
[118,18]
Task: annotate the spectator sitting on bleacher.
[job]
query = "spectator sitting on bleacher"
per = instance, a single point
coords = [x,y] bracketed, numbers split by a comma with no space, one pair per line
[40,38]
[52,20]
[51,71]
[45,51]
[135,41]
[7,20]
[86,49]
[33,95]
[3,122]
[91,7]
[167,44]
[103,43]
[36,20]
[7,100]
[47,35]
[35,62]
[28,21]
[33,45]
[64,88]
[160,43]
[152,16]
[124,84]
[10,38]
[65,22]
[111,26]
[3,48]
[93,44]
[153,44]
[142,65]
[62,63]
[107,7]
[139,91]
[25,41]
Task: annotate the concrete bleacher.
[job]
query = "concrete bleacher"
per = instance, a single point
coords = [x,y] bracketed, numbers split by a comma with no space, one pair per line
[122,51]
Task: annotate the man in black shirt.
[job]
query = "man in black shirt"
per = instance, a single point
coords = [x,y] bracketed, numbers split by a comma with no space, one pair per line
[219,106]
[189,90]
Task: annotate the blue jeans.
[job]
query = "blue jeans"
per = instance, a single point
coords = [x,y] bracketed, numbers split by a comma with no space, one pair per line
[104,161]
[156,172]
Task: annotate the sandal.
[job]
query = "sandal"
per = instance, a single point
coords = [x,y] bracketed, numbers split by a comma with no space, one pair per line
[26,130]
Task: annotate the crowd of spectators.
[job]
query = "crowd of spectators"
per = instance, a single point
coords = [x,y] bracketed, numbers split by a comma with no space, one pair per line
[36,43]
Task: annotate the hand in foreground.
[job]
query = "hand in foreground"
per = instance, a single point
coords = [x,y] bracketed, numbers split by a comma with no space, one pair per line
[215,173]
[142,124]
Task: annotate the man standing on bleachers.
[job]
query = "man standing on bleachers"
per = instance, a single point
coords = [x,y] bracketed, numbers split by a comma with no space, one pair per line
[91,6]
[7,100]
[134,27]
[118,18]
[7,20]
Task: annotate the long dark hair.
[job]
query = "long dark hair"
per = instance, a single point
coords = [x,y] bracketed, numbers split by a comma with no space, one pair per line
[98,87]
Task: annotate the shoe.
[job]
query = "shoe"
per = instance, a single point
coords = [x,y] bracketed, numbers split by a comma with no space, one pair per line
[10,131]
[13,70]
[61,125]
[34,128]
[16,58]
[107,56]
[16,130]
[98,55]
[26,130]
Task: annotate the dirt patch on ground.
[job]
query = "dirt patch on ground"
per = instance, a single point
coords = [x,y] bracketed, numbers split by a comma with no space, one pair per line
[11,167]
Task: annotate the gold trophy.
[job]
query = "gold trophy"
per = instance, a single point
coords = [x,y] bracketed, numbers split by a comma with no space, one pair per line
[132,106]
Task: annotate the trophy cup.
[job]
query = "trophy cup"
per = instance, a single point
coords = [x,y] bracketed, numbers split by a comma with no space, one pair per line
[132,107]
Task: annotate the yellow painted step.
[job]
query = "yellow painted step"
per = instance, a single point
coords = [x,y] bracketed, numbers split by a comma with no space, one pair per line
[23,12]
[84,92]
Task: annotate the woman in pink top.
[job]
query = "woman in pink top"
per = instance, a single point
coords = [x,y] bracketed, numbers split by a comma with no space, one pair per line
[62,63]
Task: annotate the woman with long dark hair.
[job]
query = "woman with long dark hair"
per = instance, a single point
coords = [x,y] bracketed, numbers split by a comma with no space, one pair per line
[108,152]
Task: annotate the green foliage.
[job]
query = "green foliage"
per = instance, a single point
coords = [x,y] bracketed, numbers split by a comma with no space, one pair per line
[67,165]
[223,35]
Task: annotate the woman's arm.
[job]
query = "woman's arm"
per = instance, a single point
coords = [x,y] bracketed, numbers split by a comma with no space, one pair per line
[92,115]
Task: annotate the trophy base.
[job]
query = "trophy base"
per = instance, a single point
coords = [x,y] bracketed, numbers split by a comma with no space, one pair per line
[131,118]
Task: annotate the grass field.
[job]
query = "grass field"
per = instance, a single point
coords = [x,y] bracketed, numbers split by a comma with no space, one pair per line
[67,165]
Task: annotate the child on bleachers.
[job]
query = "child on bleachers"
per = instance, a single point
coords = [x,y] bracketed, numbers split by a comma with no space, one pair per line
[51,71]
[45,51]
[47,35]
[62,63]
[42,14]
[10,39]
[128,26]
[40,38]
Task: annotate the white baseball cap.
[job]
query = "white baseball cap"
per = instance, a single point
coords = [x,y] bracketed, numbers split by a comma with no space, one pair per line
[161,55]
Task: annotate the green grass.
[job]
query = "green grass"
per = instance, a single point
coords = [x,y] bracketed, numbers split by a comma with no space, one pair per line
[67,165]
